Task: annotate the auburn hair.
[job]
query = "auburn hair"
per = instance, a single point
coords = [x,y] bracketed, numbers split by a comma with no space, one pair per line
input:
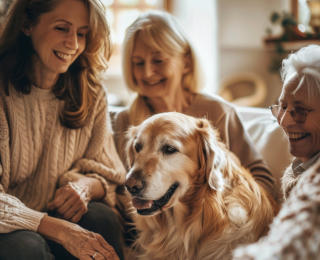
[78,86]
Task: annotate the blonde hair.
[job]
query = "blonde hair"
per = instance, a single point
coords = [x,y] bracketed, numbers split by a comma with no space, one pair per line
[79,85]
[161,31]
[305,64]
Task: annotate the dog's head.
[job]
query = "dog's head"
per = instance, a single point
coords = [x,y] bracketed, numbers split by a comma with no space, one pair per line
[168,154]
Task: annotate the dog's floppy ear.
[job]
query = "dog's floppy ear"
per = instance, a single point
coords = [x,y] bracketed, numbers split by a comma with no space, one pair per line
[130,136]
[210,155]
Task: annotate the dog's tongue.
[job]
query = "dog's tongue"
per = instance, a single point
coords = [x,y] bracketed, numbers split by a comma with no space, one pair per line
[141,204]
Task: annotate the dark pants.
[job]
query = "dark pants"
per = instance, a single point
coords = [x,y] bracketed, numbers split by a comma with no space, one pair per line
[23,244]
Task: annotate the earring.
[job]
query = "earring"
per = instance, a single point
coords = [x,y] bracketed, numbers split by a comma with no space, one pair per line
[26,30]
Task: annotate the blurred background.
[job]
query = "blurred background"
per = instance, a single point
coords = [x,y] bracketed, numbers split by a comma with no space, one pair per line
[240,42]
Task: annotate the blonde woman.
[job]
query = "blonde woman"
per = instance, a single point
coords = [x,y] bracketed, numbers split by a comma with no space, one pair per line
[160,65]
[58,163]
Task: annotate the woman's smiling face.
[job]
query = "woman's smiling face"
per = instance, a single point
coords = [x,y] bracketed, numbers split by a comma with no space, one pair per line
[155,72]
[59,37]
[304,137]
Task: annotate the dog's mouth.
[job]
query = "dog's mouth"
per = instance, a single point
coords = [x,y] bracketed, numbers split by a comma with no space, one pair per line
[147,207]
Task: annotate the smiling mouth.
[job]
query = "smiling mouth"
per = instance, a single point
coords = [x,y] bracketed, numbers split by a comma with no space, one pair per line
[294,137]
[155,83]
[147,207]
[62,56]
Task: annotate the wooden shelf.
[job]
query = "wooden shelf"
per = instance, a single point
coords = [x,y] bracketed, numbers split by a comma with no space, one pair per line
[293,44]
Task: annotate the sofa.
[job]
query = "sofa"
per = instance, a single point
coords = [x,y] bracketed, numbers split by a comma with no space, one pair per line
[268,137]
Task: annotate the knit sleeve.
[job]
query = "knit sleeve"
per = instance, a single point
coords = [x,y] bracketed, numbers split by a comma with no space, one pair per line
[295,231]
[101,160]
[14,215]
[236,138]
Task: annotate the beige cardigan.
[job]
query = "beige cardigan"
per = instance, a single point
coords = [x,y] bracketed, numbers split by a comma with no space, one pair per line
[222,116]
[37,152]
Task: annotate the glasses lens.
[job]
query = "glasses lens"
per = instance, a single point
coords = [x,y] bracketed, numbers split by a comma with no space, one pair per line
[299,114]
[275,109]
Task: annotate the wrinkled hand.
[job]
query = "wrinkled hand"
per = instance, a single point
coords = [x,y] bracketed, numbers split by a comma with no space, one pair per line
[84,244]
[70,202]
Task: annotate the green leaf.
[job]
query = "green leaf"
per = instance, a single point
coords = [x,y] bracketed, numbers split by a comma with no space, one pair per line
[275,16]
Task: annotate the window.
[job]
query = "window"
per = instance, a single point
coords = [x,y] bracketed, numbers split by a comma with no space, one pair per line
[120,14]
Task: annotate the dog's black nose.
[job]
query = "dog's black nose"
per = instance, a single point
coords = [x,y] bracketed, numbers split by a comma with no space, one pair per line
[134,183]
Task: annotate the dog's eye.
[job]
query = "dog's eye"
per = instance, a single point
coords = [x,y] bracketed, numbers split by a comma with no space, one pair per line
[168,149]
[138,147]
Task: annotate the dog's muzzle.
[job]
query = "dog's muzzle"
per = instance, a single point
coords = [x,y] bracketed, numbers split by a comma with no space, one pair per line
[148,207]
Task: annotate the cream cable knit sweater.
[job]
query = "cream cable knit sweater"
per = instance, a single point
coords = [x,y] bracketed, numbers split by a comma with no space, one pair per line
[36,152]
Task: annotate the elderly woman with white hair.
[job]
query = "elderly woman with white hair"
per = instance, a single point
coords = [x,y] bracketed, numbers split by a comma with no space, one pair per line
[295,232]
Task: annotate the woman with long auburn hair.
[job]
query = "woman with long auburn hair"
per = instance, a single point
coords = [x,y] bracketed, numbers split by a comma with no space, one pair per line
[59,168]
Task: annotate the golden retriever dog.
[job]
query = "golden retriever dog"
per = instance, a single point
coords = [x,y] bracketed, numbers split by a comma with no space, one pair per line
[193,198]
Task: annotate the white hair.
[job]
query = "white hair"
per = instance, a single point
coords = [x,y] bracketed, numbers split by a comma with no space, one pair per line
[305,64]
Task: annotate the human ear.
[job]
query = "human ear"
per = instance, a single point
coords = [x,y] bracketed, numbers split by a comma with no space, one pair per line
[187,63]
[27,29]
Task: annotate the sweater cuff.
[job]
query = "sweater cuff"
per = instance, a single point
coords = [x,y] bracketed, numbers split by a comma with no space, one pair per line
[268,187]
[14,215]
[30,219]
[109,191]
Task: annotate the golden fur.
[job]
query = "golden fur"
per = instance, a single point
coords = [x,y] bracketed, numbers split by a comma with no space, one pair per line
[216,205]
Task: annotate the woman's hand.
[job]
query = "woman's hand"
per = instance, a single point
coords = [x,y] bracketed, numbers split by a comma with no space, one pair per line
[78,241]
[84,244]
[71,201]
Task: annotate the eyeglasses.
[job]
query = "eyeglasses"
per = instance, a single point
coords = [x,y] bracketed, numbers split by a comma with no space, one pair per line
[298,114]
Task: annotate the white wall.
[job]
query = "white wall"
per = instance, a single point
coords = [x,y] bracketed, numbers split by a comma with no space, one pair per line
[241,29]
[243,23]
[199,20]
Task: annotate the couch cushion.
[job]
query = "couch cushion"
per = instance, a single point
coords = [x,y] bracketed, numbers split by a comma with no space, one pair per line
[268,137]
